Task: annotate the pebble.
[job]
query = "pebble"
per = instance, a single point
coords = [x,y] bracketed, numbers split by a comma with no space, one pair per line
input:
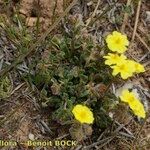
[31,136]
[147,17]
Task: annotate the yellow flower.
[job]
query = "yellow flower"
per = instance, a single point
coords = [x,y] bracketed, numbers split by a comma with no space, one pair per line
[117,42]
[137,108]
[138,68]
[125,69]
[83,114]
[135,104]
[114,59]
[127,96]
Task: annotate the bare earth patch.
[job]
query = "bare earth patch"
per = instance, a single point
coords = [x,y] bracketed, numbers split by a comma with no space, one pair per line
[47,11]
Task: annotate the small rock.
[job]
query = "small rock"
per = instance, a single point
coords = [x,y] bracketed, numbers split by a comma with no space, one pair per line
[31,21]
[90,3]
[31,136]
[147,17]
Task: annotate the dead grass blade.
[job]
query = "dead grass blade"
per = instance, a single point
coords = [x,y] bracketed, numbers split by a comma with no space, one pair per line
[125,19]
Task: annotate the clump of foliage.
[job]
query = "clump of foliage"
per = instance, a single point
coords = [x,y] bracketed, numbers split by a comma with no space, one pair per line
[72,72]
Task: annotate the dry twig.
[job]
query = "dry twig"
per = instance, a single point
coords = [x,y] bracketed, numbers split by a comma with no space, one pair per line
[125,17]
[136,20]
[139,132]
[105,141]
[94,13]
[143,42]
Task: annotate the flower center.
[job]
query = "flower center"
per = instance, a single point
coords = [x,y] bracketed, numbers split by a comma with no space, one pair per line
[82,114]
[118,41]
[122,67]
